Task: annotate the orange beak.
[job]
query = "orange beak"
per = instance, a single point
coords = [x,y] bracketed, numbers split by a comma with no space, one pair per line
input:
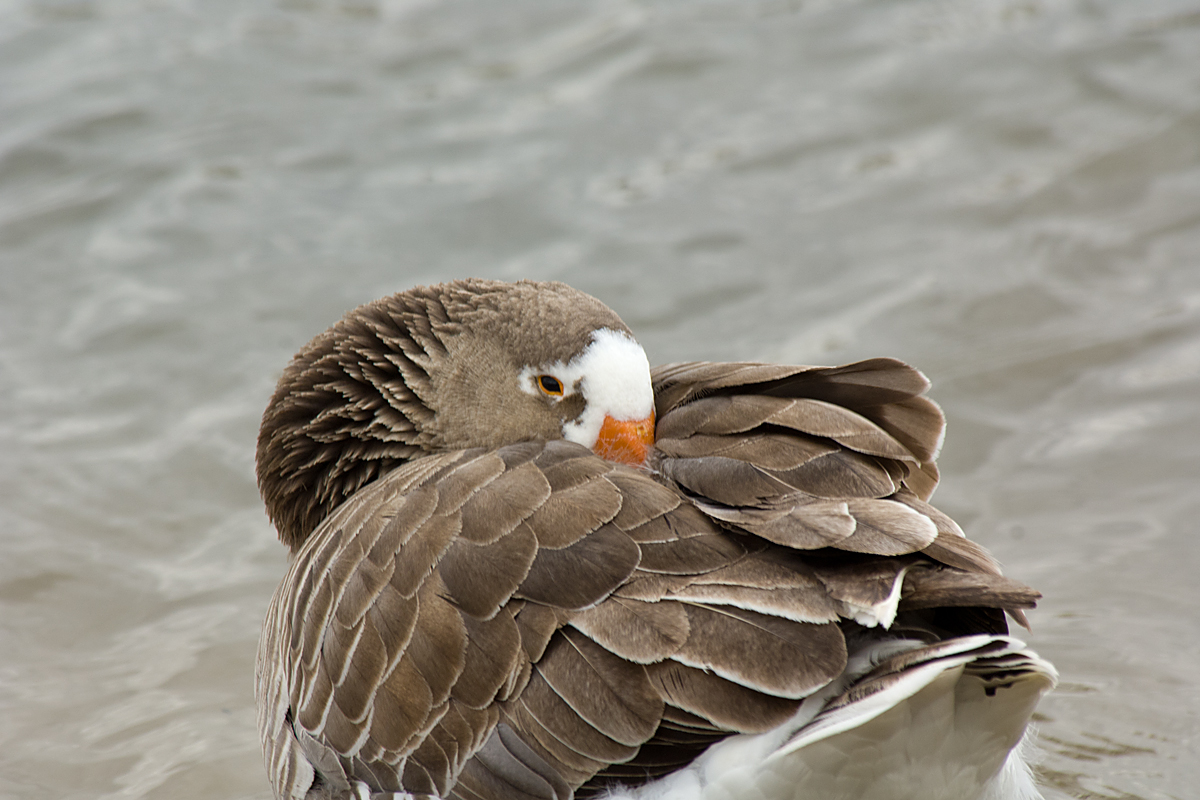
[627,441]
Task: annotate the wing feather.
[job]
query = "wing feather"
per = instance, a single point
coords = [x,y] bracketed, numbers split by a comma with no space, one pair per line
[511,499]
[536,624]
[572,760]
[693,555]
[571,513]
[937,587]
[761,652]
[612,695]
[482,578]
[406,696]
[796,520]
[723,703]
[493,652]
[584,573]
[887,528]
[642,502]
[635,630]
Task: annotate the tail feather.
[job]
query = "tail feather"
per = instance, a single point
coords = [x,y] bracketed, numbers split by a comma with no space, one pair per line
[931,722]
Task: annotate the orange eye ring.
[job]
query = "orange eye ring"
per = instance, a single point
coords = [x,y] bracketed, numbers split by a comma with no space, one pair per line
[550,385]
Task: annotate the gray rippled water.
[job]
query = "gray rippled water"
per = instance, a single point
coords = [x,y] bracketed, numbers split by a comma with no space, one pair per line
[1005,193]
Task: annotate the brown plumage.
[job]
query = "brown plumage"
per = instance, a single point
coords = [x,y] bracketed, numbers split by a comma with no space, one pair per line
[480,607]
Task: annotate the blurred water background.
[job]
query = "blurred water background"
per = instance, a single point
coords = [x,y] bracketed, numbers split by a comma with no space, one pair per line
[1005,193]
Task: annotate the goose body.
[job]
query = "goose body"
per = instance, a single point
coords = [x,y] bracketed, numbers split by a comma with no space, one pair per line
[525,566]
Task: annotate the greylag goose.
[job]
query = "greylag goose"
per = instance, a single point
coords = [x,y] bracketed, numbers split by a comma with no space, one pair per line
[526,566]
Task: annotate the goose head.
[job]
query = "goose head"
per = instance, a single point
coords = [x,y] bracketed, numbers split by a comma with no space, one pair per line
[466,364]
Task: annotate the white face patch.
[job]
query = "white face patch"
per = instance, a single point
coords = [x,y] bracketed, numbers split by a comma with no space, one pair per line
[613,374]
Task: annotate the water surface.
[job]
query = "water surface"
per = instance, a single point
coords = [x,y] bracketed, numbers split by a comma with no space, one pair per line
[1005,193]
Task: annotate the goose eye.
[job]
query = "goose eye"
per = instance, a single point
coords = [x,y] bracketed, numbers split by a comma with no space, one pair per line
[550,385]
